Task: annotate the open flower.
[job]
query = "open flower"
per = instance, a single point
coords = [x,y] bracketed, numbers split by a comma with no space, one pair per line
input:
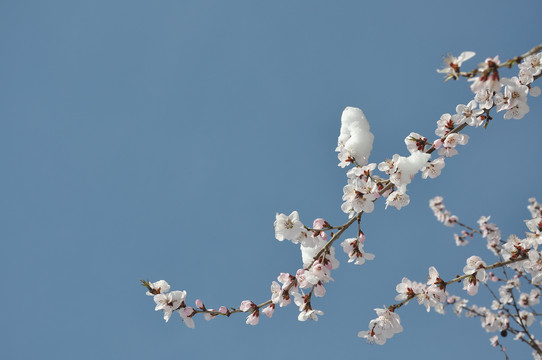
[288,227]
[452,64]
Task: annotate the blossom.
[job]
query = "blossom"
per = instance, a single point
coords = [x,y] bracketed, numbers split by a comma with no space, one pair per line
[515,91]
[398,199]
[415,142]
[434,294]
[439,210]
[475,268]
[407,289]
[489,79]
[517,111]
[535,208]
[186,315]
[491,232]
[532,66]
[494,340]
[320,223]
[358,196]
[269,310]
[484,98]
[169,302]
[383,327]
[276,292]
[460,240]
[253,318]
[450,142]
[223,310]
[469,114]
[531,299]
[514,99]
[354,248]
[452,64]
[199,304]
[389,166]
[288,227]
[289,288]
[527,317]
[158,287]
[309,314]
[319,289]
[447,123]
[209,316]
[246,305]
[535,226]
[434,280]
[515,248]
[433,169]
[320,271]
[306,279]
[458,304]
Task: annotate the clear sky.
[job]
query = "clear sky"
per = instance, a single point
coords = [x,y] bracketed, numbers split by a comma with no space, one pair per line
[157,140]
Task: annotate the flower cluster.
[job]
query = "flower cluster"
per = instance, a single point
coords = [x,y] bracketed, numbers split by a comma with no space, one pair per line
[354,248]
[383,327]
[507,94]
[444,216]
[364,188]
[512,309]
[452,64]
[170,302]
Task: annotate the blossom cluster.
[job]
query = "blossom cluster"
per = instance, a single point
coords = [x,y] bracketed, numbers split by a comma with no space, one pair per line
[510,94]
[513,99]
[512,309]
[170,302]
[432,294]
[318,257]
[521,255]
[507,94]
[364,187]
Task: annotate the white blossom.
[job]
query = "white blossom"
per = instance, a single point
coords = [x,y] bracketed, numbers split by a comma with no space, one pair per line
[288,227]
[452,64]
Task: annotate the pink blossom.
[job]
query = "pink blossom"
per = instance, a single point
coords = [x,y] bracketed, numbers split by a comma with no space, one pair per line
[269,310]
[199,304]
[246,305]
[223,310]
[253,318]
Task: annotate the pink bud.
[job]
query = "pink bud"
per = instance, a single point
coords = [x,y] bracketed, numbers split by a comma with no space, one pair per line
[253,318]
[361,237]
[319,289]
[437,143]
[268,311]
[246,305]
[188,311]
[199,304]
[319,224]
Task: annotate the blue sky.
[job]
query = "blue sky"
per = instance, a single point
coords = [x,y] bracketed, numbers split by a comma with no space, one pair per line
[157,140]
